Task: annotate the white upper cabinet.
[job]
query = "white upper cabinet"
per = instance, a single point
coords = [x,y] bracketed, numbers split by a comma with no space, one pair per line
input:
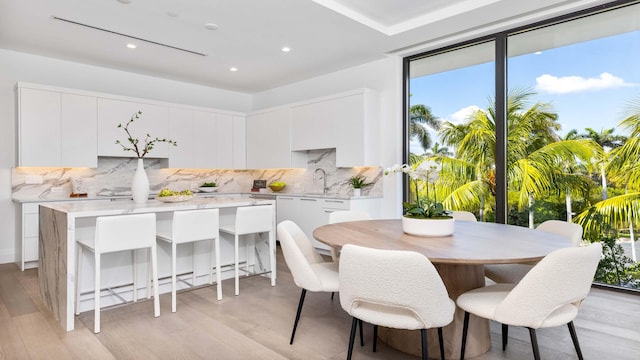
[153,121]
[239,142]
[181,130]
[205,149]
[56,128]
[348,122]
[268,139]
[224,141]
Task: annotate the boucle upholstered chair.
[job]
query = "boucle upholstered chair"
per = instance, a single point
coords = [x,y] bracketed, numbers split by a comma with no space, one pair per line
[309,270]
[464,216]
[549,295]
[512,273]
[376,287]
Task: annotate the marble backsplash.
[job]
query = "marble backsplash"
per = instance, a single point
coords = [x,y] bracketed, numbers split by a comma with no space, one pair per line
[113,177]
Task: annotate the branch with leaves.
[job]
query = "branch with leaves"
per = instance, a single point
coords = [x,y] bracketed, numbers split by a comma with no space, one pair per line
[134,143]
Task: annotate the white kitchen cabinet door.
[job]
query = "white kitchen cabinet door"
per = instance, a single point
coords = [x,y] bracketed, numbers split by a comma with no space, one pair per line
[78,131]
[239,142]
[307,213]
[39,128]
[315,126]
[224,141]
[268,140]
[205,149]
[182,132]
[153,121]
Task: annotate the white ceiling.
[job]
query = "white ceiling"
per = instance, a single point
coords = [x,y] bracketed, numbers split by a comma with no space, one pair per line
[324,35]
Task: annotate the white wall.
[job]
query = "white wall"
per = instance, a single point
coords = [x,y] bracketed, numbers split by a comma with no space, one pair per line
[16,66]
[384,76]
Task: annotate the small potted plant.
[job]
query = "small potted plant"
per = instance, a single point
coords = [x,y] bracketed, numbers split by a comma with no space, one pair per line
[358,182]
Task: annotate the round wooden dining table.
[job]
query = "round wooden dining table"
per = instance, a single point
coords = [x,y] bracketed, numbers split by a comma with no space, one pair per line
[459,259]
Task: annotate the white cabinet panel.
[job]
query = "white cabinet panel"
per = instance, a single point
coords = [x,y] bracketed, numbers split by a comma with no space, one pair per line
[181,130]
[224,141]
[39,127]
[79,131]
[56,129]
[268,140]
[239,142]
[153,121]
[204,144]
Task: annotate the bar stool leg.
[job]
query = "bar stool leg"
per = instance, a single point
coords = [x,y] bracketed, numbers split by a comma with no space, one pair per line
[237,268]
[135,276]
[96,294]
[174,249]
[78,272]
[272,257]
[154,266]
[218,268]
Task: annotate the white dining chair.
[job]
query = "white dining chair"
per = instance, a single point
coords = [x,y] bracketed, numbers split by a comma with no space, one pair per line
[376,287]
[309,269]
[192,226]
[512,273]
[252,220]
[345,216]
[549,295]
[113,234]
[464,216]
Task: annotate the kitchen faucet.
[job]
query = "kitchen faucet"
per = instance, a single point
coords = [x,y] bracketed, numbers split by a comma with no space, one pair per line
[324,179]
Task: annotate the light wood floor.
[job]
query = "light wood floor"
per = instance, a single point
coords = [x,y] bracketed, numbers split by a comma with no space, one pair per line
[257,325]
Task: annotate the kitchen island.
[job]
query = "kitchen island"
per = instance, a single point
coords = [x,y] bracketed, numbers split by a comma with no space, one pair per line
[61,223]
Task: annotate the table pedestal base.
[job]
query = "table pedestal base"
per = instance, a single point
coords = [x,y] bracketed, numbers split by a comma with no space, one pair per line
[458,279]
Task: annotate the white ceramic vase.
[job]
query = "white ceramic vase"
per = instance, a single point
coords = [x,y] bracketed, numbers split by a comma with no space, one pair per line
[356,192]
[428,227]
[140,184]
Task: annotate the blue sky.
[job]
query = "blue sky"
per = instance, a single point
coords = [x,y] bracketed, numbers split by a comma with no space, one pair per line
[588,84]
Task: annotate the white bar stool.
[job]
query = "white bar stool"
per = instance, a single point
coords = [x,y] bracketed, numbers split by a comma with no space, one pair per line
[119,233]
[189,227]
[252,220]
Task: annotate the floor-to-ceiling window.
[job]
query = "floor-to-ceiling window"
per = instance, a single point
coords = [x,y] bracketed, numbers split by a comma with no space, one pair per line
[572,129]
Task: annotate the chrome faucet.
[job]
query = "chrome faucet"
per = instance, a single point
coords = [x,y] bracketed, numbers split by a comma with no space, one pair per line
[324,179]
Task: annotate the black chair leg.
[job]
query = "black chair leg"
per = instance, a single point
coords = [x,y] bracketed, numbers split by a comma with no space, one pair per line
[332,293]
[361,336]
[352,337]
[375,338]
[441,342]
[425,348]
[534,343]
[505,336]
[295,323]
[574,338]
[465,327]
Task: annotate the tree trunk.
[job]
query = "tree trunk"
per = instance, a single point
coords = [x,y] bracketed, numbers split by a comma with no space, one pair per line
[604,183]
[568,203]
[530,211]
[632,238]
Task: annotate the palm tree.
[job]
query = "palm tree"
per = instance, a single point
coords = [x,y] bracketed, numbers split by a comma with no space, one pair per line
[607,140]
[533,151]
[436,149]
[419,116]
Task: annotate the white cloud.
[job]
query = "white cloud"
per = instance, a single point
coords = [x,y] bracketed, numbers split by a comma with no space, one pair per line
[570,84]
[463,114]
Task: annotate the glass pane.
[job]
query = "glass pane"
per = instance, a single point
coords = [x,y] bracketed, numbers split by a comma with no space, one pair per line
[571,154]
[451,130]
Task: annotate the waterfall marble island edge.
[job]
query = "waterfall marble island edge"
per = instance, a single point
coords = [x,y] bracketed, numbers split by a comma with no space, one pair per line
[61,223]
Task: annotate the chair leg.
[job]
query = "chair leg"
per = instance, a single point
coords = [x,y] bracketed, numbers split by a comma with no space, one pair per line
[154,270]
[218,275]
[534,343]
[134,275]
[78,272]
[423,340]
[237,260]
[194,263]
[465,327]
[332,293]
[574,338]
[96,295]
[352,337]
[272,257]
[441,343]
[375,338]
[361,336]
[505,336]
[295,323]
[174,250]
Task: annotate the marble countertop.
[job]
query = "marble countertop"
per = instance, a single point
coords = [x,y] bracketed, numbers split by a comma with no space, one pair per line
[95,208]
[61,197]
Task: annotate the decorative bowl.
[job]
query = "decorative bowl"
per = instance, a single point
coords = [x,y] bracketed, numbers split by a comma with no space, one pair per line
[276,188]
[175,198]
[208,189]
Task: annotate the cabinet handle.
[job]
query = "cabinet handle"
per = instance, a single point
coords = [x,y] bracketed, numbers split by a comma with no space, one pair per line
[335,201]
[306,199]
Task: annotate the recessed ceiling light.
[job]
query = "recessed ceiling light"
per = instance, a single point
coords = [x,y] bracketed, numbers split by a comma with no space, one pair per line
[172,14]
[132,46]
[125,1]
[211,26]
[233,69]
[285,49]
